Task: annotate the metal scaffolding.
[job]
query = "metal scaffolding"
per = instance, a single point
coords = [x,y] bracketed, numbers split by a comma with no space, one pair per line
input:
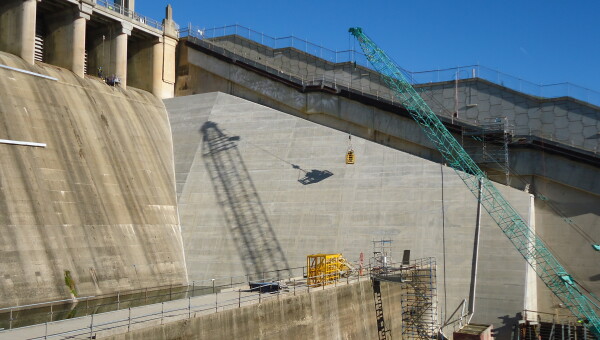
[419,300]
[419,292]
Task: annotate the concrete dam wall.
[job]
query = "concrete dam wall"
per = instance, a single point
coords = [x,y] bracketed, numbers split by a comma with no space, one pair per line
[93,212]
[562,176]
[346,312]
[260,189]
[563,120]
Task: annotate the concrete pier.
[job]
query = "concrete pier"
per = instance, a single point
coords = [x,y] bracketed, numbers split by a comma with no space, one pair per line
[65,42]
[118,58]
[87,37]
[17,28]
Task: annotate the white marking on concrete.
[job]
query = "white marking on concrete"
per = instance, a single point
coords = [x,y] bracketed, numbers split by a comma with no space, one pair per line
[18,142]
[28,72]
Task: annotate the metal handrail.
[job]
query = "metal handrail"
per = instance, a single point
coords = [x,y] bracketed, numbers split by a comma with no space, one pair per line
[165,314]
[215,284]
[132,14]
[378,92]
[556,90]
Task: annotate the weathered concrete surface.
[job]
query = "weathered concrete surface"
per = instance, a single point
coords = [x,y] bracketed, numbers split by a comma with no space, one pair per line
[97,202]
[556,180]
[17,28]
[564,120]
[347,312]
[201,73]
[264,156]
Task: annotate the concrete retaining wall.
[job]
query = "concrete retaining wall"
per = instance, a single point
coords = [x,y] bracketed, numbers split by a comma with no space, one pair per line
[563,120]
[346,312]
[273,188]
[95,211]
[556,180]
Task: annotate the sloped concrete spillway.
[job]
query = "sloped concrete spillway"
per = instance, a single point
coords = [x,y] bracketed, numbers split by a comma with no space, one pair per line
[260,189]
[94,212]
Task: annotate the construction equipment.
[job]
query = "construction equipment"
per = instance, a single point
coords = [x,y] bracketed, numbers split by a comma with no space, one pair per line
[324,269]
[350,152]
[529,245]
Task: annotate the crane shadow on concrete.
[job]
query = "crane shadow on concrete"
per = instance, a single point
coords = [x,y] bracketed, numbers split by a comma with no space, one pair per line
[248,223]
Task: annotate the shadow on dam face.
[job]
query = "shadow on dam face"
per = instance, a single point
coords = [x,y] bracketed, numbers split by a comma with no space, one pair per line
[244,213]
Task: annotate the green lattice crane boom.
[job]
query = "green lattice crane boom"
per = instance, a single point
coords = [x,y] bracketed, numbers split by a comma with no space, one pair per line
[530,245]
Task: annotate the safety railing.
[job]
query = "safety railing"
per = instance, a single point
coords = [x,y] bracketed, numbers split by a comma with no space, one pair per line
[129,13]
[561,316]
[367,83]
[276,43]
[209,296]
[25,315]
[421,77]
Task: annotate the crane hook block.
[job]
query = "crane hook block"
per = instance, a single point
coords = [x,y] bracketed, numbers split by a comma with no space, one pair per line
[350,157]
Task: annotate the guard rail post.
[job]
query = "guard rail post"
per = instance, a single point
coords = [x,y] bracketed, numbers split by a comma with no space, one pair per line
[92,326]
[129,321]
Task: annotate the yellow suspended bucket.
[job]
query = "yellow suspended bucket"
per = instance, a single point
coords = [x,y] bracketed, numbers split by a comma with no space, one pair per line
[350,157]
[350,153]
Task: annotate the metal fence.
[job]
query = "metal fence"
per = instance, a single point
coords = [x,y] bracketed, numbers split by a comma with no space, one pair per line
[203,297]
[109,4]
[25,315]
[324,53]
[421,77]
[358,80]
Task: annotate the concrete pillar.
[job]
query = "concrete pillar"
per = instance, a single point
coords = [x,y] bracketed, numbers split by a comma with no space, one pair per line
[168,66]
[170,39]
[157,64]
[531,278]
[119,56]
[17,28]
[79,33]
[78,50]
[144,64]
[64,45]
[28,30]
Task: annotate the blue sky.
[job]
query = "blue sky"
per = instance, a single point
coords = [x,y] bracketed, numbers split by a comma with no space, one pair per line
[541,41]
